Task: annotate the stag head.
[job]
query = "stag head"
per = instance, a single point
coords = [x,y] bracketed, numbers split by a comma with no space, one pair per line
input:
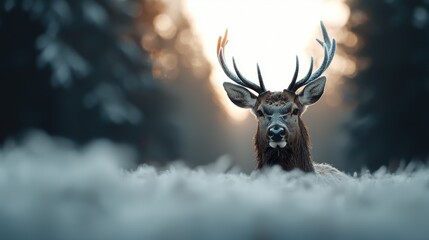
[281,137]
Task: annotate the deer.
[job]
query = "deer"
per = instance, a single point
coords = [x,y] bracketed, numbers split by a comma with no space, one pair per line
[281,137]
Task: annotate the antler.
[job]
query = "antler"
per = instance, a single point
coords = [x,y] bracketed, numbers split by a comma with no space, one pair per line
[329,47]
[237,76]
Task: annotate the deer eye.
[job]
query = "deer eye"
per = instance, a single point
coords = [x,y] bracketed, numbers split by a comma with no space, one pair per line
[295,111]
[260,113]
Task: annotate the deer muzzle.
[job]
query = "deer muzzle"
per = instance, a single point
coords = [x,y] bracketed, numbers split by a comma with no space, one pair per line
[277,136]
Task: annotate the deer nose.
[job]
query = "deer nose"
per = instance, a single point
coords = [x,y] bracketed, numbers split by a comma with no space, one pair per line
[276,133]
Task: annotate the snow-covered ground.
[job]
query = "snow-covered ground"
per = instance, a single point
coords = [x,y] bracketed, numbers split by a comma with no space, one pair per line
[50,189]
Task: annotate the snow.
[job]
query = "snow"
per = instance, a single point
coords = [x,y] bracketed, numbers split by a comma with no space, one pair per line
[51,189]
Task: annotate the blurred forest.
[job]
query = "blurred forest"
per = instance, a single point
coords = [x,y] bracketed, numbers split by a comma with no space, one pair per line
[88,69]
[391,88]
[133,72]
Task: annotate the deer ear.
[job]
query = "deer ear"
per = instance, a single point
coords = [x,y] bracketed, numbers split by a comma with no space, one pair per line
[312,92]
[239,95]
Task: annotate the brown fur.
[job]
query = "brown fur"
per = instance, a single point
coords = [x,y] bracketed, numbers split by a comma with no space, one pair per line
[281,110]
[295,155]
[297,152]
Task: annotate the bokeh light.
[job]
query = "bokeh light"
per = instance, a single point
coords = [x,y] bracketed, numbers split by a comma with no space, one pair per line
[270,33]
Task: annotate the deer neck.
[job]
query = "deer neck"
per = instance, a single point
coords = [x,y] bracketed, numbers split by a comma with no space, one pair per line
[296,155]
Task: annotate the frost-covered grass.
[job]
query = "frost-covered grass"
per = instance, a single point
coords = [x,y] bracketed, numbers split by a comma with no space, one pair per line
[52,190]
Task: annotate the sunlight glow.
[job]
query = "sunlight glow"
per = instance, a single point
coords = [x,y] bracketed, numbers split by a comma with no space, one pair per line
[270,33]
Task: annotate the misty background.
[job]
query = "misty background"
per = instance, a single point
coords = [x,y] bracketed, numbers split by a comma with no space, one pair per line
[135,73]
[114,123]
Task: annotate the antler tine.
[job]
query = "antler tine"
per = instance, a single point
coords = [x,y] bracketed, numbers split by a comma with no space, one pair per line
[221,43]
[332,53]
[329,47]
[326,62]
[228,73]
[310,71]
[246,82]
[261,80]
[295,75]
[237,76]
[326,38]
[322,67]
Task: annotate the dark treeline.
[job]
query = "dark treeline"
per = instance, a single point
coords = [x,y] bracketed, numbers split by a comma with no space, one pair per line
[76,69]
[391,121]
[89,69]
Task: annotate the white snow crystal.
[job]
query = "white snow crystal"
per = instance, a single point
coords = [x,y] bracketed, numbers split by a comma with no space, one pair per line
[50,189]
